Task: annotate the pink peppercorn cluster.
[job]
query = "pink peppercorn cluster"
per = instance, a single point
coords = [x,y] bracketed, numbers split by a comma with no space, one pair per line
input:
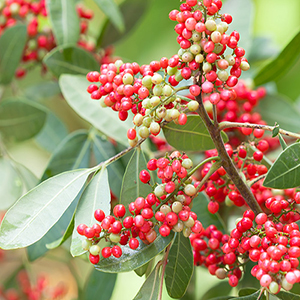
[166,208]
[39,41]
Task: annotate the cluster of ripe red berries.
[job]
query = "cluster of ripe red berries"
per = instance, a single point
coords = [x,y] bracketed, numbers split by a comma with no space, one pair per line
[273,242]
[203,40]
[40,41]
[166,208]
[27,290]
[142,90]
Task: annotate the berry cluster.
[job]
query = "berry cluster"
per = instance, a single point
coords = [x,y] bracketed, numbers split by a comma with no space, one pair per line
[40,40]
[203,42]
[143,90]
[166,208]
[29,291]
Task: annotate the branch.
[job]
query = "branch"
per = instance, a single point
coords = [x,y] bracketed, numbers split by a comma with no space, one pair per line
[225,124]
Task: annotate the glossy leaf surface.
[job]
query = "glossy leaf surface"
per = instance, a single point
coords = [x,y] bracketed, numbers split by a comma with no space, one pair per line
[133,259]
[74,90]
[70,60]
[193,136]
[286,169]
[20,119]
[180,266]
[30,218]
[132,187]
[95,196]
[12,43]
[65,21]
[150,288]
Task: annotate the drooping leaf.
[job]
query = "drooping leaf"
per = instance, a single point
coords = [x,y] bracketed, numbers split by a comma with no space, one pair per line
[29,180]
[74,90]
[285,171]
[12,43]
[132,187]
[70,60]
[275,108]
[95,196]
[31,217]
[180,266]
[72,153]
[281,64]
[242,12]
[150,288]
[65,21]
[218,290]
[10,184]
[142,270]
[66,235]
[205,217]
[98,285]
[193,136]
[20,119]
[287,295]
[103,150]
[247,291]
[57,232]
[53,132]
[132,11]
[112,11]
[133,259]
[42,90]
[253,296]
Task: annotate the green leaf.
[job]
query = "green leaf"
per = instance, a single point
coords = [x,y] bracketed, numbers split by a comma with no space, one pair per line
[42,90]
[253,296]
[70,60]
[206,218]
[65,21]
[103,150]
[31,217]
[112,11]
[53,132]
[142,270]
[10,184]
[287,296]
[276,108]
[20,119]
[12,43]
[132,11]
[193,136]
[133,259]
[66,235]
[218,290]
[55,234]
[74,90]
[96,195]
[150,288]
[222,298]
[72,153]
[132,187]
[98,285]
[284,173]
[282,141]
[180,266]
[281,64]
[247,291]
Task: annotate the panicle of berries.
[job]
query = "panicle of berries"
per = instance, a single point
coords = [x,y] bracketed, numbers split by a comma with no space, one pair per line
[203,40]
[40,41]
[165,209]
[142,90]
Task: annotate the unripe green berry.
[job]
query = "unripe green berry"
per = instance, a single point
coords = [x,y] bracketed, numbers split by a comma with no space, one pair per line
[174,113]
[190,190]
[154,128]
[188,56]
[144,132]
[195,49]
[189,223]
[146,103]
[115,238]
[230,59]
[221,273]
[216,37]
[161,112]
[178,227]
[95,250]
[171,71]
[187,163]
[273,287]
[223,75]
[157,90]
[157,78]
[154,101]
[127,78]
[218,48]
[206,67]
[159,191]
[224,26]
[193,105]
[86,244]
[199,58]
[147,81]
[287,286]
[165,209]
[177,207]
[102,103]
[167,90]
[133,143]
[211,25]
[138,120]
[180,198]
[196,37]
[244,66]
[118,64]
[186,231]
[220,29]
[178,76]
[147,121]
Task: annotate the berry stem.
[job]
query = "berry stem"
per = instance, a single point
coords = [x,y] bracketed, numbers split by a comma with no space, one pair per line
[165,262]
[215,133]
[226,124]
